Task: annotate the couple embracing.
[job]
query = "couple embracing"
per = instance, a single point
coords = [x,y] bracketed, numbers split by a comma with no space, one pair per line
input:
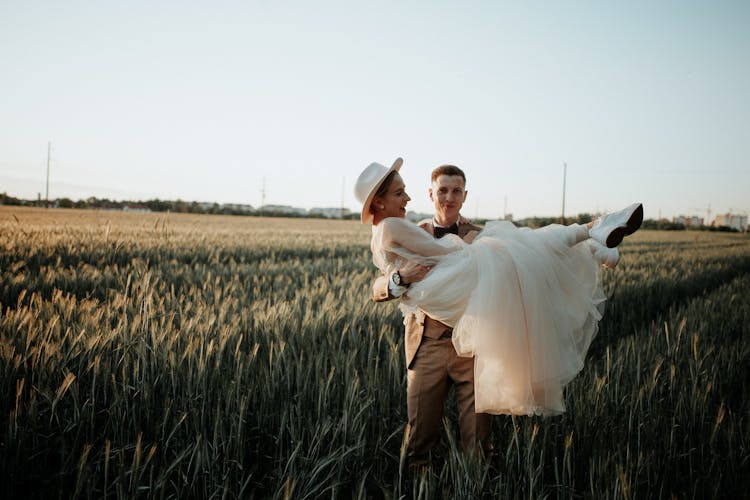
[503,314]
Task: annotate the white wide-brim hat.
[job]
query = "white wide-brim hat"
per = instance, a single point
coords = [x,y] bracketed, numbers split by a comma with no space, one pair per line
[368,183]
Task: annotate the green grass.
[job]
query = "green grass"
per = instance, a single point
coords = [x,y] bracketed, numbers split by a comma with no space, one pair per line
[176,356]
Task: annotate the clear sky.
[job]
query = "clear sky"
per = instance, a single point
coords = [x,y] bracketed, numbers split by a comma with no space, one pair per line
[643,100]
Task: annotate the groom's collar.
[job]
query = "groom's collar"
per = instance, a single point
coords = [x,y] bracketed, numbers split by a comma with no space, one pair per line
[457,222]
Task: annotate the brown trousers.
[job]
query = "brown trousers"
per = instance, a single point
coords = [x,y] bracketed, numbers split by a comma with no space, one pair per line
[437,367]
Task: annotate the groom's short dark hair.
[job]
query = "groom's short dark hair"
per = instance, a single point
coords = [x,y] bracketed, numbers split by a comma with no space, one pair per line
[448,170]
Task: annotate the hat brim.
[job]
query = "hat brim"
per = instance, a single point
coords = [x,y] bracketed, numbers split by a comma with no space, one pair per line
[366,215]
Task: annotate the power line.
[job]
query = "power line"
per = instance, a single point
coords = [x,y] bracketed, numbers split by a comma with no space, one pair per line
[263,196]
[343,188]
[565,173]
[46,194]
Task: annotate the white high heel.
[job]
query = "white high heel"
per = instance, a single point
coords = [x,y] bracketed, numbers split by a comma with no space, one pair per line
[610,229]
[608,257]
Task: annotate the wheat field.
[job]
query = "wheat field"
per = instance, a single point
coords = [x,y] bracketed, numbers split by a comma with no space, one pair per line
[177,356]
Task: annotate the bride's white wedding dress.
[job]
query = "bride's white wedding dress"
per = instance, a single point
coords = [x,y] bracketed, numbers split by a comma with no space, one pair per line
[526,303]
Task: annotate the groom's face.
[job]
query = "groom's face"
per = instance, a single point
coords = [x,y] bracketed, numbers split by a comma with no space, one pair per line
[448,194]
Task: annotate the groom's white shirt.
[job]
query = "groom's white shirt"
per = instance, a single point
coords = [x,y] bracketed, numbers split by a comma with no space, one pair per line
[394,289]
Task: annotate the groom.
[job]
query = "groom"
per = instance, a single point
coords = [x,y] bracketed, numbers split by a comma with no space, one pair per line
[431,361]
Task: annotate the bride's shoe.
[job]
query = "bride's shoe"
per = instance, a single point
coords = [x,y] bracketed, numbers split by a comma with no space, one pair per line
[610,229]
[608,257]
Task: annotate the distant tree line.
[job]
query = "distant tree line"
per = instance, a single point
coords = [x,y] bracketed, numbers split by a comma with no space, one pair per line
[584,218]
[679,226]
[157,205]
[194,207]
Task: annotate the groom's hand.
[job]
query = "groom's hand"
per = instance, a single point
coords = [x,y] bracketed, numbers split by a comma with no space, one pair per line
[470,236]
[411,273]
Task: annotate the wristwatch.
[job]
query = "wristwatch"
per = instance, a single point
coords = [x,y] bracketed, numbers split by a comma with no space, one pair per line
[396,278]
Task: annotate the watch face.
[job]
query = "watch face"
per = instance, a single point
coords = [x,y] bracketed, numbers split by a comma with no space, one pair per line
[396,279]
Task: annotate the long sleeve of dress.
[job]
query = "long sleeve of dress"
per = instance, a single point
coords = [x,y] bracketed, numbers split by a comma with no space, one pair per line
[396,238]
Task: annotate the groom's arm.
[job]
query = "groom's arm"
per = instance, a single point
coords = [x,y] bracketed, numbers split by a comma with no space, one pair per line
[384,288]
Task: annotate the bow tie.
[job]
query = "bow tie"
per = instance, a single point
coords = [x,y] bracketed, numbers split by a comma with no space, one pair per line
[442,231]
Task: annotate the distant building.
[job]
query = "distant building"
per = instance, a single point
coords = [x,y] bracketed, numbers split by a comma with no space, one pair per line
[136,208]
[236,207]
[735,221]
[282,209]
[417,216]
[330,213]
[688,220]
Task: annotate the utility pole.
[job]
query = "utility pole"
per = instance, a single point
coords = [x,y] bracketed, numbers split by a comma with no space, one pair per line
[505,208]
[263,196]
[46,195]
[343,187]
[565,174]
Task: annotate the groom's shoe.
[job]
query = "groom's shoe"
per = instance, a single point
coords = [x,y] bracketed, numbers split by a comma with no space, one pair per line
[608,257]
[610,229]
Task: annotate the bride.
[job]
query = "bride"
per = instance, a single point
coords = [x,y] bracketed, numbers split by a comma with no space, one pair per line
[525,303]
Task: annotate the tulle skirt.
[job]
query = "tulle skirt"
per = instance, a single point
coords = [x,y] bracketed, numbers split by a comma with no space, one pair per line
[526,304]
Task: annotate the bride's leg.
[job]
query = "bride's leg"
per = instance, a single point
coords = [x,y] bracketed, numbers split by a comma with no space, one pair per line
[571,235]
[581,232]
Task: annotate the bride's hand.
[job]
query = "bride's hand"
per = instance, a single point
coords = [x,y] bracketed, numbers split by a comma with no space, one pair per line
[411,273]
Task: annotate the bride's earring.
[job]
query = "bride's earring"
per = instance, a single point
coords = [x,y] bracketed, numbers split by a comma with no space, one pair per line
[382,207]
